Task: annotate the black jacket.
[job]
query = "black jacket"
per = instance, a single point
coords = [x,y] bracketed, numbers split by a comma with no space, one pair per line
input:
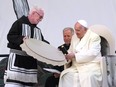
[15,36]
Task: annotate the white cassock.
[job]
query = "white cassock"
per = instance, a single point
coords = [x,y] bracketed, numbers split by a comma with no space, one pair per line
[85,70]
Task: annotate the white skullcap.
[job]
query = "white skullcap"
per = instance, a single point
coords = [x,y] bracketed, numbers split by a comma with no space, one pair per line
[83,23]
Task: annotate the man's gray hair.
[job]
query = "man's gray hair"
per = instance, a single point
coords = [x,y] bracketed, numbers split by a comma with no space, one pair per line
[69,28]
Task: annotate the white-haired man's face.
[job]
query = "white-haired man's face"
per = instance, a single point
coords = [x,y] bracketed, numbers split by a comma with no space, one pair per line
[67,35]
[35,18]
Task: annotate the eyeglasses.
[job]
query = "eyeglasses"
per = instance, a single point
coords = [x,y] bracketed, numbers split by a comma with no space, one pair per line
[41,17]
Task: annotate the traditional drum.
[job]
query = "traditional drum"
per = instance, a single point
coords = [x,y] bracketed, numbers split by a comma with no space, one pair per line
[43,52]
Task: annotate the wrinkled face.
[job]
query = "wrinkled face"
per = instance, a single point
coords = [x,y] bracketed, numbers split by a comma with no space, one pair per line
[67,35]
[79,30]
[35,18]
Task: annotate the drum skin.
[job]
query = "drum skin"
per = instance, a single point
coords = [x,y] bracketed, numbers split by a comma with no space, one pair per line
[43,52]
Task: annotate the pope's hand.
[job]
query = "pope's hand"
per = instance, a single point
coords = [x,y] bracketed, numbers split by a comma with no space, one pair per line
[70,56]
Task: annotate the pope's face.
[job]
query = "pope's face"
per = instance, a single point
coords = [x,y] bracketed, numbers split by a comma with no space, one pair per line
[79,30]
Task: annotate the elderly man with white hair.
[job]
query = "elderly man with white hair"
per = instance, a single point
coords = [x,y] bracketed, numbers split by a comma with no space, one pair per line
[21,68]
[84,53]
